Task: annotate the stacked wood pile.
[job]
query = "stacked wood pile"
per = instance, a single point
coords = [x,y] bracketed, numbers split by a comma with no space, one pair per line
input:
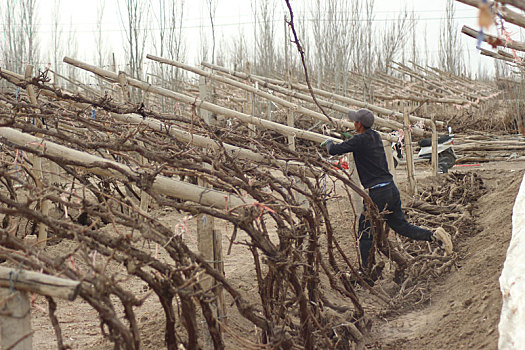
[449,201]
[486,148]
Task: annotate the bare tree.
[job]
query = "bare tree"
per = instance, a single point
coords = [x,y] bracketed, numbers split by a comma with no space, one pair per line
[332,31]
[133,19]
[450,57]
[415,54]
[56,38]
[212,8]
[316,14]
[239,50]
[72,50]
[394,39]
[169,42]
[101,52]
[221,55]
[265,42]
[19,43]
[369,32]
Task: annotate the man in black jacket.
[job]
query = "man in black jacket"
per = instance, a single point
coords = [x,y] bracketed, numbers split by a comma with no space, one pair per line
[372,168]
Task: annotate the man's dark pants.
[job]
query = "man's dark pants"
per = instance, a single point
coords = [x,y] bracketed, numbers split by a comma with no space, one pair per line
[387,198]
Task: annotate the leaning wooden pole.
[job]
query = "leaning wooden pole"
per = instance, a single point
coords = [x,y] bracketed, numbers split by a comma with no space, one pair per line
[37,163]
[327,94]
[280,101]
[233,151]
[505,13]
[108,168]
[516,45]
[435,159]
[197,140]
[266,124]
[35,282]
[410,156]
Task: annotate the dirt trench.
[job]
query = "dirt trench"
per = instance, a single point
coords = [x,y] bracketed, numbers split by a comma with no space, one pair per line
[464,306]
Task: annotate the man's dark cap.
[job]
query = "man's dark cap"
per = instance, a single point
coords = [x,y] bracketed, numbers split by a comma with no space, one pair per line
[364,116]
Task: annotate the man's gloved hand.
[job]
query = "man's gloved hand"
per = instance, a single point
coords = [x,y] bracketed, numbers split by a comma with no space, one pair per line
[346,135]
[326,144]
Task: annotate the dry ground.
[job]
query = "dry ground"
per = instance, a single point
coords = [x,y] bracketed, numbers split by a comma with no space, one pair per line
[463,311]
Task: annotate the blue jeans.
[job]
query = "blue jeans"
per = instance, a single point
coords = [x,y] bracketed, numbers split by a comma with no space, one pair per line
[387,198]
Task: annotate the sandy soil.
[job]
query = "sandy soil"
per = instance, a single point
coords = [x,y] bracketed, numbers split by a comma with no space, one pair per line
[463,311]
[465,305]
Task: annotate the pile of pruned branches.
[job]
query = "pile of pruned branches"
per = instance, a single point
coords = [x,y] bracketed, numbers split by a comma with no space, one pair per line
[448,201]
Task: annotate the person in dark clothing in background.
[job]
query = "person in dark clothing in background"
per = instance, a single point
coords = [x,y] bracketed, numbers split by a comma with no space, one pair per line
[372,168]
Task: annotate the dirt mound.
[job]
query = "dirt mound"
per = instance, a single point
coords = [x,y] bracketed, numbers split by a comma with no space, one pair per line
[464,309]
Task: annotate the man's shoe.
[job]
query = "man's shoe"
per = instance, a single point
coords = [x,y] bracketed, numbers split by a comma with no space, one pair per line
[443,239]
[354,280]
[365,278]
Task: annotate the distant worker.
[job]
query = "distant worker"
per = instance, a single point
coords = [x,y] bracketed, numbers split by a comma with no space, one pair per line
[372,168]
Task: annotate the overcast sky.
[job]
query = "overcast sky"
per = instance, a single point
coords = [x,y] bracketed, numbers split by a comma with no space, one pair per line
[232,16]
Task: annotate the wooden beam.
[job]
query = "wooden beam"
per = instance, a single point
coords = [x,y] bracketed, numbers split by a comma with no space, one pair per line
[507,14]
[498,56]
[435,156]
[287,104]
[40,283]
[520,4]
[108,168]
[494,40]
[344,99]
[266,124]
[233,151]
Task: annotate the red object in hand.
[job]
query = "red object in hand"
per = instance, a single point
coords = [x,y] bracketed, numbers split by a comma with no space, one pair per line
[341,164]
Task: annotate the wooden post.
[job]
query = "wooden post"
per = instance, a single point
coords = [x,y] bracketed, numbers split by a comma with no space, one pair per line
[435,159]
[123,82]
[209,239]
[37,162]
[411,188]
[55,168]
[290,120]
[15,320]
[356,200]
[269,112]
[125,97]
[390,159]
[250,103]
[145,198]
[114,63]
[15,309]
